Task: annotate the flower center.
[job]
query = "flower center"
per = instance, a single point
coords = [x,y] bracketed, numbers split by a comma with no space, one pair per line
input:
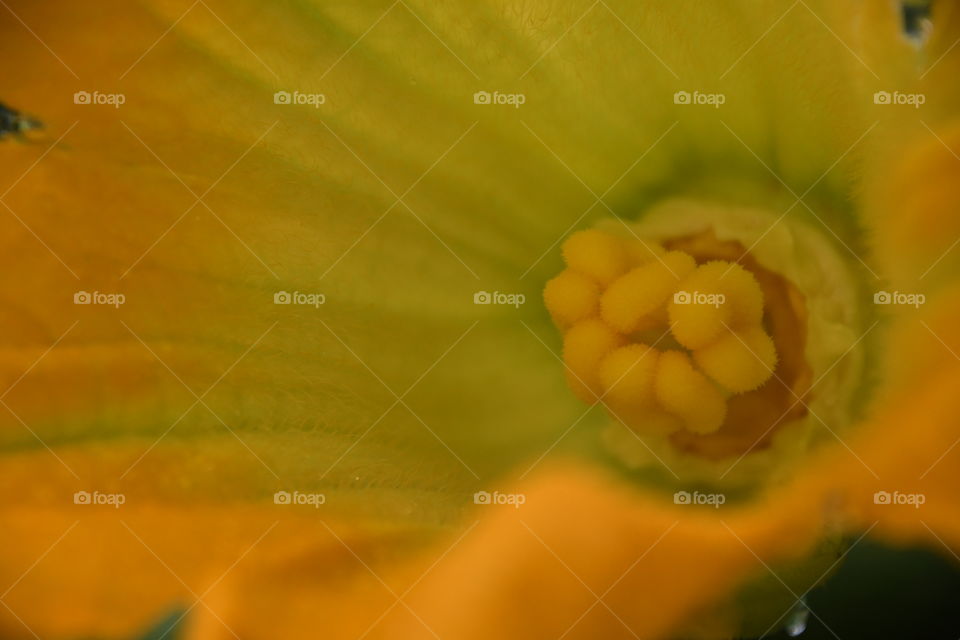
[688,338]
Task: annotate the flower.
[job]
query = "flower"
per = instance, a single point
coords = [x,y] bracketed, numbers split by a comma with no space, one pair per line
[275,316]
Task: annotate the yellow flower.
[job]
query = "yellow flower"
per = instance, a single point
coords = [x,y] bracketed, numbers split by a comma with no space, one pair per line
[275,358]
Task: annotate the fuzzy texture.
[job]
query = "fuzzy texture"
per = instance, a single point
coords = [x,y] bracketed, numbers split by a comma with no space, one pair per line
[311,206]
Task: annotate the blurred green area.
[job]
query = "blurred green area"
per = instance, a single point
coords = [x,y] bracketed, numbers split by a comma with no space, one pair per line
[881,592]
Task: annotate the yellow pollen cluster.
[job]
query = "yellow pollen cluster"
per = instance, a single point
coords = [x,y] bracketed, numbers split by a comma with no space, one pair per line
[619,298]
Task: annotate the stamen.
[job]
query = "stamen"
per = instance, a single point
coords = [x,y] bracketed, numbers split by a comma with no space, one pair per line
[616,290]
[740,360]
[687,394]
[627,376]
[571,297]
[584,346]
[727,296]
[630,300]
[599,255]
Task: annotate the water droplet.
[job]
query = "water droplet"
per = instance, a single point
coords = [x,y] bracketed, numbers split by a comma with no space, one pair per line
[916,20]
[797,619]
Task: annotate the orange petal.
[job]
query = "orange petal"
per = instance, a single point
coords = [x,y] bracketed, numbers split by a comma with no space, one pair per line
[537,570]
